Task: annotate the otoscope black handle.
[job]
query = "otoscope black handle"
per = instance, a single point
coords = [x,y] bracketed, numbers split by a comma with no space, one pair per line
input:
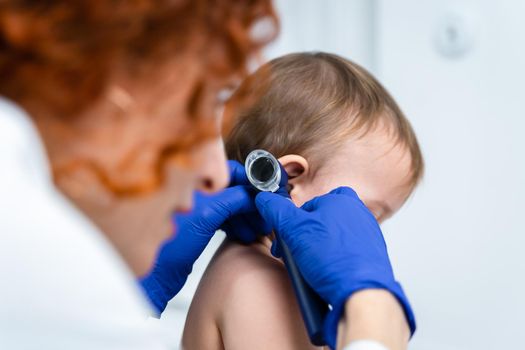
[313,308]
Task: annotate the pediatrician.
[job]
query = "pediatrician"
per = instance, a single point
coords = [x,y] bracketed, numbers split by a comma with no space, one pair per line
[109,120]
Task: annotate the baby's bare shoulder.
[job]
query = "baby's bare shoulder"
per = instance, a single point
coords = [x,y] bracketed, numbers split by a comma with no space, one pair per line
[236,270]
[252,297]
[239,266]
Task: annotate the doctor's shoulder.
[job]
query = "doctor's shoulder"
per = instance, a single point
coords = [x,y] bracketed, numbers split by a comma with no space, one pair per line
[63,284]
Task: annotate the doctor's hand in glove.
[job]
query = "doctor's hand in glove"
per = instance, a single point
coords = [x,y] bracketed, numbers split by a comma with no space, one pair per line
[338,246]
[232,209]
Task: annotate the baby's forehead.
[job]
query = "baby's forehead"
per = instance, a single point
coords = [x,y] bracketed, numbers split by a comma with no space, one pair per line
[375,144]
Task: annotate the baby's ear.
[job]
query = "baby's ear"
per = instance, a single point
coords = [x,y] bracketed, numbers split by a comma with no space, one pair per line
[295,166]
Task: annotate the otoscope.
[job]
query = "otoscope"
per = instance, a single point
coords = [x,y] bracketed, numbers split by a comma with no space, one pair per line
[264,172]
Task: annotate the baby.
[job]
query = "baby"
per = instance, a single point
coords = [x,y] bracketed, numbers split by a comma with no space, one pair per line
[331,124]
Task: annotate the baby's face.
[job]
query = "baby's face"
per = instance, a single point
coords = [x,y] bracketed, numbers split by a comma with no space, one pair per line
[373,165]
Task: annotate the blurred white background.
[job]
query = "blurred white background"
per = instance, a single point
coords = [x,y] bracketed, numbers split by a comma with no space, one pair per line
[457,69]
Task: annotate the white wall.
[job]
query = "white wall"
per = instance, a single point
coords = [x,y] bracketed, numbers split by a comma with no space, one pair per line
[457,244]
[346,27]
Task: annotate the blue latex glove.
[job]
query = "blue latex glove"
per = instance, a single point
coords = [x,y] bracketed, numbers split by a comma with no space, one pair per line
[338,247]
[247,227]
[194,231]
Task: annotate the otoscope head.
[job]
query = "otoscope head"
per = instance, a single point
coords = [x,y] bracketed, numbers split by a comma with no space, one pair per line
[264,171]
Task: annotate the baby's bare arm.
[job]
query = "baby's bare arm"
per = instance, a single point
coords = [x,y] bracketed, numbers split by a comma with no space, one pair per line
[252,300]
[200,329]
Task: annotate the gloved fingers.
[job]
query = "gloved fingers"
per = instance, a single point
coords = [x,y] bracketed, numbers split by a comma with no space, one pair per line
[234,200]
[237,174]
[243,228]
[311,205]
[346,191]
[275,209]
[256,223]
[229,228]
[314,203]
[349,192]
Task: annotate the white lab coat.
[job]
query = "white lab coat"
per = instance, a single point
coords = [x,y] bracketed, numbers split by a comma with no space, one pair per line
[62,285]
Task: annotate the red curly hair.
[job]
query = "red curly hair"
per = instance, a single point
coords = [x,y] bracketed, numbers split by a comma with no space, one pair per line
[60,54]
